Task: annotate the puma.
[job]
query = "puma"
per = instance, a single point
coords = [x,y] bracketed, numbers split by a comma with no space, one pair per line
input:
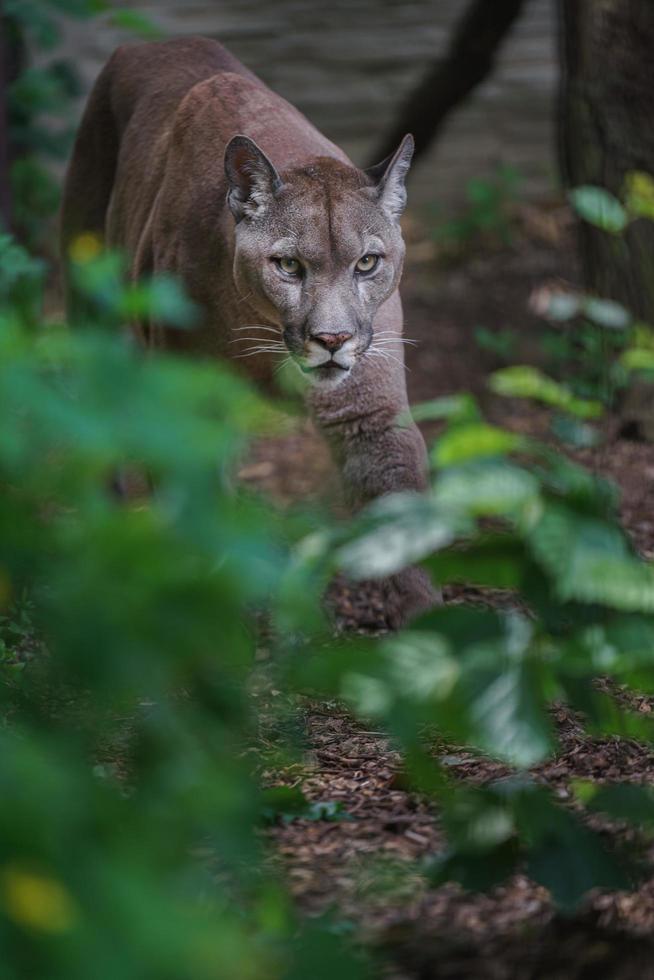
[191,165]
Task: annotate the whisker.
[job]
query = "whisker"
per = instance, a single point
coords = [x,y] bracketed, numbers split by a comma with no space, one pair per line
[261,350]
[391,335]
[389,353]
[376,352]
[383,348]
[392,357]
[397,340]
[257,326]
[266,342]
[244,299]
[389,341]
[287,360]
[373,354]
[253,353]
[269,340]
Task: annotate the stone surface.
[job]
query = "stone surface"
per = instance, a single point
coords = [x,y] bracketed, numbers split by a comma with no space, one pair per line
[349,65]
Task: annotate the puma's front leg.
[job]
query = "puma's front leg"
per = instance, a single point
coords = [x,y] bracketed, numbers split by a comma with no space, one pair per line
[386,458]
[377,455]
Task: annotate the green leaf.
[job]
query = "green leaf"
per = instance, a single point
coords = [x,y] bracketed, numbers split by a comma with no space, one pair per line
[625,802]
[638,359]
[575,433]
[161,300]
[600,208]
[524,381]
[474,441]
[462,625]
[570,862]
[624,640]
[563,306]
[639,194]
[581,489]
[589,560]
[283,803]
[584,790]
[487,488]
[395,531]
[477,820]
[606,313]
[494,560]
[420,666]
[507,711]
[332,811]
[474,871]
[562,855]
[455,408]
[287,803]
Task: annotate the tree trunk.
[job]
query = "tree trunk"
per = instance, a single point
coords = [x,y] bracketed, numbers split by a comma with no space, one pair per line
[469,60]
[607,130]
[5,197]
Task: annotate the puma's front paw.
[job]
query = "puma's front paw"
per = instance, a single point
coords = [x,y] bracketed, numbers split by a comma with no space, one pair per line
[408,594]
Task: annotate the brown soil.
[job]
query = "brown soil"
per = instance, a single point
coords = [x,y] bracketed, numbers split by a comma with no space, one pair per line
[366,869]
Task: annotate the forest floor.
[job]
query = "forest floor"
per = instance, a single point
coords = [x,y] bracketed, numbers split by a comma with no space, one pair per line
[365,870]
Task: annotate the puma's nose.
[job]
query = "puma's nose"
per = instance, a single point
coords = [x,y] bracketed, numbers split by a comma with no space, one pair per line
[331,341]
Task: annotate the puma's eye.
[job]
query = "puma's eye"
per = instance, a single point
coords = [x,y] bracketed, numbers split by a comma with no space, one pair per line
[367,263]
[291,267]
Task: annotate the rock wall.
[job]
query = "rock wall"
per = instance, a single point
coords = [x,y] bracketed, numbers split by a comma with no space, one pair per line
[348,65]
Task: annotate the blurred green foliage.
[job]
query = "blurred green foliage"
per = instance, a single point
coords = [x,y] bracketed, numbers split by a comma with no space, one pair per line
[129,827]
[135,808]
[40,100]
[583,342]
[131,831]
[595,344]
[592,344]
[487,216]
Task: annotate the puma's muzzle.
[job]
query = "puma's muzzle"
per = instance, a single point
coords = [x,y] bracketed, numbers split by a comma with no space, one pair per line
[327,356]
[332,341]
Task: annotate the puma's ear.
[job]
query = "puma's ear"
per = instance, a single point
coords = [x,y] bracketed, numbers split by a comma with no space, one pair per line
[251,178]
[389,177]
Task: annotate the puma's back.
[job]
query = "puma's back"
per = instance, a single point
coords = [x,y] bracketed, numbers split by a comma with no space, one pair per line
[169,109]
[191,165]
[134,98]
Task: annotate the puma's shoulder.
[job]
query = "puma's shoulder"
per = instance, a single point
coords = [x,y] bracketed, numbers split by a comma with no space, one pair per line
[217,108]
[229,97]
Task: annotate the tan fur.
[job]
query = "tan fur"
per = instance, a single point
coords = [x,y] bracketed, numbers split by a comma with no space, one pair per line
[148,175]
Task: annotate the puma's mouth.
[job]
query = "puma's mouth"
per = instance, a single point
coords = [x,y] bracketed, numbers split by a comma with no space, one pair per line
[328,372]
[328,368]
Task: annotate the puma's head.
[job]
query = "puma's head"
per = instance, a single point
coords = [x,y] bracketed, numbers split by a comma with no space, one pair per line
[318,249]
